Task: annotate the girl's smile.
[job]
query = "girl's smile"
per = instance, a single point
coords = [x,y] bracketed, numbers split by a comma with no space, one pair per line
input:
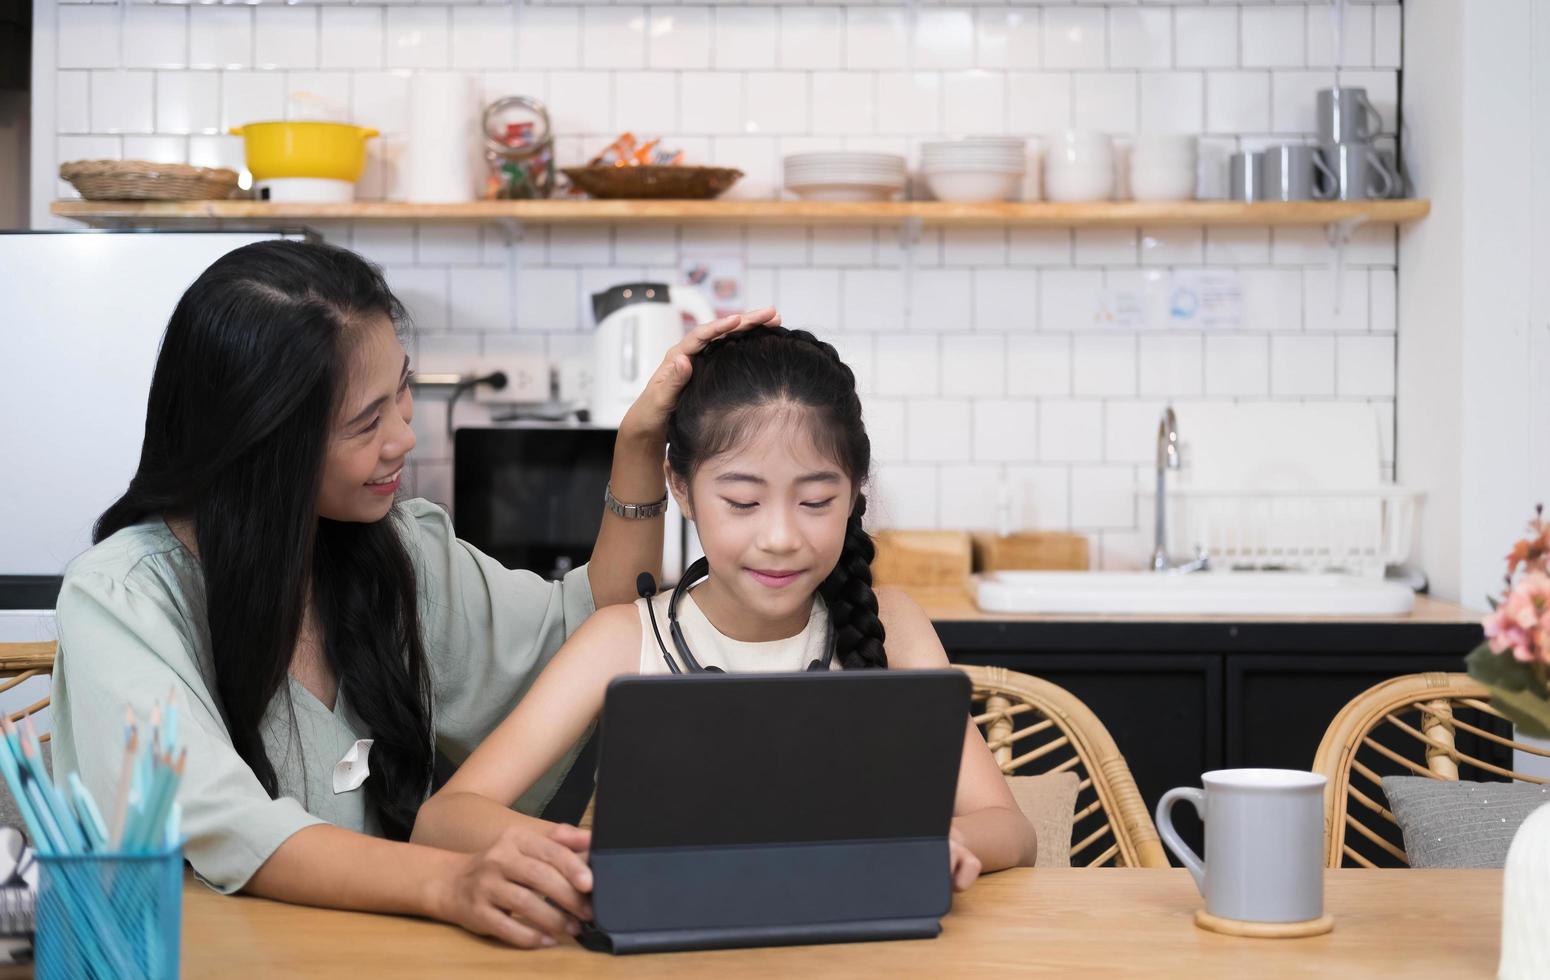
[773,579]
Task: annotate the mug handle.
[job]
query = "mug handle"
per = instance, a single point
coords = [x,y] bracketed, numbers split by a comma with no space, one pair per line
[1330,186]
[1387,181]
[1196,798]
[1376,123]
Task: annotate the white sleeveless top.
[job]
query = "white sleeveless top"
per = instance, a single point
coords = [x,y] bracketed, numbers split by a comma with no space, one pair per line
[712,648]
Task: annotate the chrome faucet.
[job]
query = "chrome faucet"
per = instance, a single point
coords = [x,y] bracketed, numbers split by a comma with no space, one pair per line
[1167,459]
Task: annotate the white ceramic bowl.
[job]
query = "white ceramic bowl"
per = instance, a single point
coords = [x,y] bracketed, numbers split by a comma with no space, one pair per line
[1068,183]
[1162,183]
[974,185]
[844,192]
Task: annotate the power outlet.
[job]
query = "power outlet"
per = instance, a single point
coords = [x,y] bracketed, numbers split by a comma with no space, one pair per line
[527,379]
[575,380]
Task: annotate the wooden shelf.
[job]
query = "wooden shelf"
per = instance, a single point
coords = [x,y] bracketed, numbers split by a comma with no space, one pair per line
[1112,213]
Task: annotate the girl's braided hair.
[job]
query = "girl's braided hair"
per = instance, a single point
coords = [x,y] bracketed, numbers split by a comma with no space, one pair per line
[735,379]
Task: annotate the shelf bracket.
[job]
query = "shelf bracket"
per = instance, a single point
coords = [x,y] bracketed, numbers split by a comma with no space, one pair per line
[909,237]
[511,230]
[1338,234]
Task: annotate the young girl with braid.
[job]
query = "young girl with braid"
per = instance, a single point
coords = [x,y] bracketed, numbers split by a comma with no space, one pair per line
[767,455]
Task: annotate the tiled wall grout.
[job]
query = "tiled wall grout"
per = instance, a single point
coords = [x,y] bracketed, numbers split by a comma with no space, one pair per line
[1066,410]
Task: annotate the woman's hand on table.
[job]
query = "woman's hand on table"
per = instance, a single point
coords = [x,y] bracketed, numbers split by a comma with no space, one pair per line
[648,416]
[961,862]
[529,889]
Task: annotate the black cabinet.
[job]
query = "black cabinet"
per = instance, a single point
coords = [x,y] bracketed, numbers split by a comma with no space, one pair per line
[1182,698]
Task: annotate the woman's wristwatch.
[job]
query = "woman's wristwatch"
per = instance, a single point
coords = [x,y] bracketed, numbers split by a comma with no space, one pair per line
[633,512]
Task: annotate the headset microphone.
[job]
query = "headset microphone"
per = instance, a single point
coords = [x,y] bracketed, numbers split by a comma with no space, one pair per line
[645,585]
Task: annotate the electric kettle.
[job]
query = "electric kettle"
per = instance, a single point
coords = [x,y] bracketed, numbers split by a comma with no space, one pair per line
[637,323]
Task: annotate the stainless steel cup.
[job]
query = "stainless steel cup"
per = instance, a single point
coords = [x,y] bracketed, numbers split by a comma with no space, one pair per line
[1360,171]
[1346,115]
[1245,176]
[1295,172]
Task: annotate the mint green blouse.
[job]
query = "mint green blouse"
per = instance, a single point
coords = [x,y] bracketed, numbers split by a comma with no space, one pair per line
[131,629]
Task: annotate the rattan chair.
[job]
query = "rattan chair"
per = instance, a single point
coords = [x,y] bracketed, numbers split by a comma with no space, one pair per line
[20,662]
[1436,725]
[1032,727]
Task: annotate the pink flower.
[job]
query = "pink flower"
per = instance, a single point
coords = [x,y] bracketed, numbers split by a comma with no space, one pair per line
[1521,623]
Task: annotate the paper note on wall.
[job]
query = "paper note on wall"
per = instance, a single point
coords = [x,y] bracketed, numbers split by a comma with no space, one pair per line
[1184,299]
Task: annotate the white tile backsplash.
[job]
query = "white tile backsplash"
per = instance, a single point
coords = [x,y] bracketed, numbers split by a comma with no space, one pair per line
[812,38]
[155,36]
[1103,364]
[89,37]
[1172,102]
[122,101]
[1364,366]
[1302,365]
[220,36]
[1140,37]
[1106,102]
[974,103]
[1071,431]
[286,37]
[1273,37]
[1205,37]
[1237,365]
[483,37]
[352,37]
[1007,37]
[417,37]
[979,351]
[1040,102]
[188,102]
[1006,430]
[944,38]
[1075,37]
[747,38]
[613,37]
[1237,101]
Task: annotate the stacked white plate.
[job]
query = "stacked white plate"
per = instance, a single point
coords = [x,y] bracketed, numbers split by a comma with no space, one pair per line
[983,169]
[845,176]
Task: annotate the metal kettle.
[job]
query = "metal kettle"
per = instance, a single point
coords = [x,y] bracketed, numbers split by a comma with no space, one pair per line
[637,323]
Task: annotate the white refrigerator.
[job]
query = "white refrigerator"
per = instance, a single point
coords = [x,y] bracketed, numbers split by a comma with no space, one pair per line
[81,319]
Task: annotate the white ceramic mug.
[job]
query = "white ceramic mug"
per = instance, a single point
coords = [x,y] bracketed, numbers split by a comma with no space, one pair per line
[1079,166]
[1264,843]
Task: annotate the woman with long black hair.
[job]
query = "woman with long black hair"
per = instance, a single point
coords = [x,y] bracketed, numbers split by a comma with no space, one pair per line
[323,642]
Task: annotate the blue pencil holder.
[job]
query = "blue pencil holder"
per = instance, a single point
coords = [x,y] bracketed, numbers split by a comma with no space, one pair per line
[109,915]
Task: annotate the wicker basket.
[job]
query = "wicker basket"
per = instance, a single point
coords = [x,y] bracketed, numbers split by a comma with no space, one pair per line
[140,180]
[681,183]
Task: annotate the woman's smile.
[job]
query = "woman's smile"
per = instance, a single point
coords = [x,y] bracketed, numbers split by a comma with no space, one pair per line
[388,484]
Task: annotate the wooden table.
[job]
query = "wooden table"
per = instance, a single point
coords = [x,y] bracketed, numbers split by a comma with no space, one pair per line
[1078,923]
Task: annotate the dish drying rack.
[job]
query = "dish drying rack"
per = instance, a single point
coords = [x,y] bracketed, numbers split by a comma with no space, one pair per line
[1359,532]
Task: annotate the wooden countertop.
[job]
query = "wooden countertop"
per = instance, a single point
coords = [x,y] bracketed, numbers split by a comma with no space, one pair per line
[1067,922]
[947,604]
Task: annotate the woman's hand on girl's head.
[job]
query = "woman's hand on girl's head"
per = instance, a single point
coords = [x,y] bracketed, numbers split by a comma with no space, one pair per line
[529,889]
[961,862]
[648,416]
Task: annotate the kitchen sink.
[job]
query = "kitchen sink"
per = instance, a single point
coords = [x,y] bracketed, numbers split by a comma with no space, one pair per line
[1200,593]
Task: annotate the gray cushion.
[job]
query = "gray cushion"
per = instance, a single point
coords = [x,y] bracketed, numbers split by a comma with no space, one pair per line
[1450,824]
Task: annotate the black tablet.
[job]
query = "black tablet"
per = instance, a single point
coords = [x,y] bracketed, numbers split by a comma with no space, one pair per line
[770,809]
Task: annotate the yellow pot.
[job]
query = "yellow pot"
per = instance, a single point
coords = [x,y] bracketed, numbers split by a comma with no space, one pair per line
[335,151]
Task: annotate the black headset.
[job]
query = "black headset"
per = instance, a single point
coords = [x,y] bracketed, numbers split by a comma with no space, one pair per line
[646,587]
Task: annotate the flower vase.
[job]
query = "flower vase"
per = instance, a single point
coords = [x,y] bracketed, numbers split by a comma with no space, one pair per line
[1526,901]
